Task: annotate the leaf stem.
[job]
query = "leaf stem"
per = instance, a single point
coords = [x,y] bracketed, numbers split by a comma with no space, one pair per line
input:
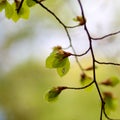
[20,6]
[108,63]
[82,53]
[80,87]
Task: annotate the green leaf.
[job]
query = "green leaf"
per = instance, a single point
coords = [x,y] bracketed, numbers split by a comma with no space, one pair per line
[9,10]
[50,60]
[114,81]
[59,59]
[53,94]
[110,101]
[30,3]
[23,13]
[63,70]
[55,60]
[2,5]
[15,16]
[85,80]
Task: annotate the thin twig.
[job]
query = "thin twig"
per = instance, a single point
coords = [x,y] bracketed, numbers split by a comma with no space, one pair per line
[107,63]
[73,49]
[74,88]
[91,49]
[101,112]
[82,53]
[92,54]
[73,26]
[53,14]
[108,35]
[66,30]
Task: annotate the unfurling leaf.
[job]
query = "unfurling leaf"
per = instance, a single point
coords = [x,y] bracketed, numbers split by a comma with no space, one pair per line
[2,4]
[80,19]
[52,95]
[113,81]
[63,70]
[24,11]
[110,101]
[9,10]
[84,79]
[30,3]
[89,68]
[59,59]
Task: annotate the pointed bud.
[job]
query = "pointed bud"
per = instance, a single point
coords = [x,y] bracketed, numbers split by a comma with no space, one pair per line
[84,79]
[110,101]
[80,19]
[113,81]
[89,68]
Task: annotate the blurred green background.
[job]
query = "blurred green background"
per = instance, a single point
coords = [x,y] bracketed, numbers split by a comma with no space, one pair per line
[24,46]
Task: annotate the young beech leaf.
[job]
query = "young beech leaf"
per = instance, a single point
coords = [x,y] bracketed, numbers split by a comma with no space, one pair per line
[80,19]
[89,68]
[84,79]
[57,58]
[63,70]
[15,16]
[59,61]
[110,101]
[113,81]
[9,10]
[23,13]
[2,4]
[30,3]
[52,95]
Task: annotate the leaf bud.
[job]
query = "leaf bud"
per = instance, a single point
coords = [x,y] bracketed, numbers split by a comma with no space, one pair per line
[53,93]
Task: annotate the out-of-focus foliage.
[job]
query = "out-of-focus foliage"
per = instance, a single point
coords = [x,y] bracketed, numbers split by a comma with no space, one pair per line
[18,36]
[22,93]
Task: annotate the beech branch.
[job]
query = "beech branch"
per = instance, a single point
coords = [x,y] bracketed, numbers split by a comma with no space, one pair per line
[94,61]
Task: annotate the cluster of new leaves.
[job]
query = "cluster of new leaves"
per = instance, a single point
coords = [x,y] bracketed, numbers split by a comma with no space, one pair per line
[58,59]
[16,9]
